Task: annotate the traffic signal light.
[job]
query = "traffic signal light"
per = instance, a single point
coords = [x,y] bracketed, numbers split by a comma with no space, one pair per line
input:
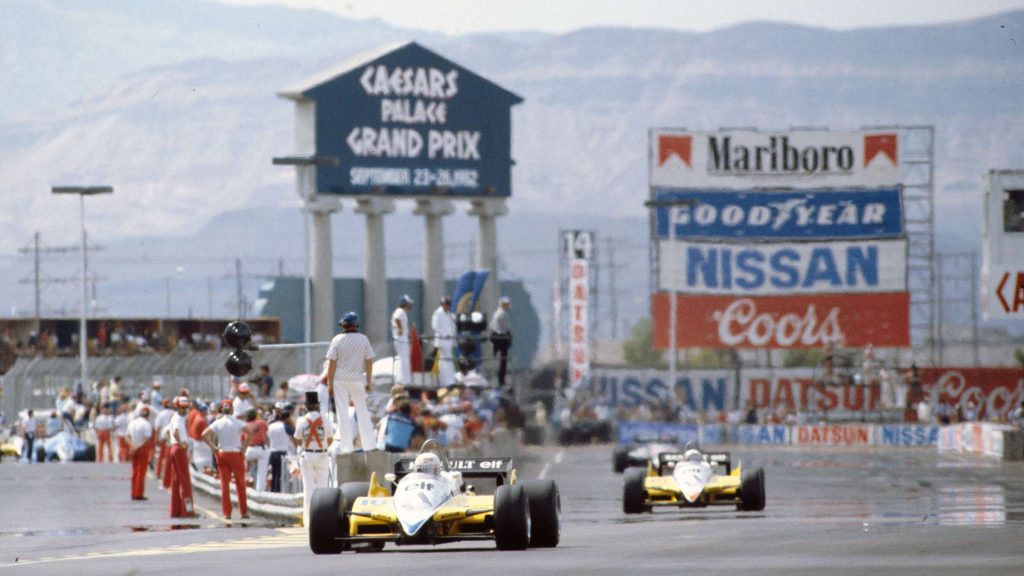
[238,335]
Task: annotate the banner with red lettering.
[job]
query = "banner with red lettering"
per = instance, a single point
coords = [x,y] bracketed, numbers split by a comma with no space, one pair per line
[826,435]
[798,321]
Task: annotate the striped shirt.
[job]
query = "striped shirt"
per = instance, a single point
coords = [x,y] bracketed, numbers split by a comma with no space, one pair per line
[350,351]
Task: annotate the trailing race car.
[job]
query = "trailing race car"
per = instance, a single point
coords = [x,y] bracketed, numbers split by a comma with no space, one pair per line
[431,504]
[692,479]
[628,455]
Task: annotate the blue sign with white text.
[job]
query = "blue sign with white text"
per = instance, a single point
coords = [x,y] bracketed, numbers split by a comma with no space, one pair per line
[643,432]
[908,435]
[410,122]
[769,215]
[755,434]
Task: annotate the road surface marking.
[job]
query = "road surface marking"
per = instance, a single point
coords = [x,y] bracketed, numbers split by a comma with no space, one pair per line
[284,538]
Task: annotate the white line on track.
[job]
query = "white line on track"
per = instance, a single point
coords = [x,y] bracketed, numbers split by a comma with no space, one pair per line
[547,465]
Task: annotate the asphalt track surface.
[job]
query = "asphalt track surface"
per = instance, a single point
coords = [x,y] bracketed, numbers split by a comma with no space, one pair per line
[829,511]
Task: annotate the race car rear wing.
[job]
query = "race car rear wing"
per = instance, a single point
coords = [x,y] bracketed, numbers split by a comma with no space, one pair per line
[470,467]
[668,460]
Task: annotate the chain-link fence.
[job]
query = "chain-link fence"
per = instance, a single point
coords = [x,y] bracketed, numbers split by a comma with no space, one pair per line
[37,382]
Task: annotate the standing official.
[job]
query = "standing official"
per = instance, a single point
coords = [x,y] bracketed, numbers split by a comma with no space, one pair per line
[163,418]
[28,432]
[442,323]
[226,440]
[400,336]
[501,337]
[349,372]
[181,481]
[121,430]
[257,455]
[313,434]
[140,445]
[279,434]
[103,425]
[243,402]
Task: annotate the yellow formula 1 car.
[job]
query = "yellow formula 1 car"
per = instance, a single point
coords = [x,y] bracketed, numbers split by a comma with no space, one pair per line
[691,479]
[431,504]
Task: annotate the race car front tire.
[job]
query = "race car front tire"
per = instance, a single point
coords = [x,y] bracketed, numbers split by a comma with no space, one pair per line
[751,490]
[327,521]
[545,512]
[633,492]
[511,518]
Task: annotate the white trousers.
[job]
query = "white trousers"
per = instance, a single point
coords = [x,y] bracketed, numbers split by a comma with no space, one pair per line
[402,350]
[356,392]
[261,456]
[202,456]
[446,368]
[316,473]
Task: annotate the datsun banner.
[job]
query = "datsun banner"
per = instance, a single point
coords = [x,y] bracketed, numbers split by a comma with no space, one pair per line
[763,215]
[782,268]
[745,159]
[799,321]
[829,435]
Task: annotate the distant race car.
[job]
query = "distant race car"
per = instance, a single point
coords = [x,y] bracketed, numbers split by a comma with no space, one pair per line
[692,479]
[431,504]
[629,455]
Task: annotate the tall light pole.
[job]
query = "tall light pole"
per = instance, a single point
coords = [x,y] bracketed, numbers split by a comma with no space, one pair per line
[82,192]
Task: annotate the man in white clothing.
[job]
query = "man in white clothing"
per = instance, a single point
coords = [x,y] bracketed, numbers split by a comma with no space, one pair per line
[243,402]
[349,373]
[400,336]
[313,436]
[442,323]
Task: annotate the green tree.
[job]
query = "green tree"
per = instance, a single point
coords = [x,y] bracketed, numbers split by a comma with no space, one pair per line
[639,349]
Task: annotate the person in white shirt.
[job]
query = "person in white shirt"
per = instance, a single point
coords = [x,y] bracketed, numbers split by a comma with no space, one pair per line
[103,426]
[349,373]
[442,323]
[225,437]
[181,479]
[243,402]
[121,430]
[163,419]
[400,337]
[140,442]
[157,397]
[313,434]
[279,434]
[28,432]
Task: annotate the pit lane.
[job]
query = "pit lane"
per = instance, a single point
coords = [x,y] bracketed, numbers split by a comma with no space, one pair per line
[829,510]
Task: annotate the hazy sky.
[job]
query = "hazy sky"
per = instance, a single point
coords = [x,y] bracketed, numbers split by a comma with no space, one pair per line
[468,16]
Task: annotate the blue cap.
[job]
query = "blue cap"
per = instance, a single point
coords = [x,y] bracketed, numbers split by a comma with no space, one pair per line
[349,320]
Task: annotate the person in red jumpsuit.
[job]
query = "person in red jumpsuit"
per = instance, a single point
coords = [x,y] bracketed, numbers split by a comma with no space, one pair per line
[181,481]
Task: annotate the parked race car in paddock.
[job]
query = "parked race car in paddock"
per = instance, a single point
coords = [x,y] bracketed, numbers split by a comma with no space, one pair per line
[629,455]
[431,503]
[692,479]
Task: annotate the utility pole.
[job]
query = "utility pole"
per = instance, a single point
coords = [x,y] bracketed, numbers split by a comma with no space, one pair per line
[238,287]
[37,249]
[613,293]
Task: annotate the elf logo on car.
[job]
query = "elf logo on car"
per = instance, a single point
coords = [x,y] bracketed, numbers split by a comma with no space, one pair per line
[474,464]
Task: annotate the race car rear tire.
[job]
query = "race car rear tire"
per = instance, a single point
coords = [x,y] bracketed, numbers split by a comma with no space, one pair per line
[620,459]
[545,512]
[633,492]
[511,518]
[751,490]
[327,521]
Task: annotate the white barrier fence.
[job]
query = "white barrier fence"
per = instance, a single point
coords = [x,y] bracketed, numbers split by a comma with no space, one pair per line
[998,440]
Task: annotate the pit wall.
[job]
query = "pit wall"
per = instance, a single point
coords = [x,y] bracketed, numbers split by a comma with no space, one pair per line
[997,440]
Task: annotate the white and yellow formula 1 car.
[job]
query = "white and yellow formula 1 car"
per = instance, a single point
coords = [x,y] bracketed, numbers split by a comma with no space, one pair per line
[432,504]
[692,479]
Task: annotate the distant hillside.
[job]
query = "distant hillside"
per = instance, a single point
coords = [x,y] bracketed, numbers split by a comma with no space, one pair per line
[177,108]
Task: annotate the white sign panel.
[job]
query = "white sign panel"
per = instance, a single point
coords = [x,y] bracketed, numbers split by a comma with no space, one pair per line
[782,268]
[1002,265]
[744,159]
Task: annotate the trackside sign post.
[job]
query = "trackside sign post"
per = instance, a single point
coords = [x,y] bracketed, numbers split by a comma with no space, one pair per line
[1002,266]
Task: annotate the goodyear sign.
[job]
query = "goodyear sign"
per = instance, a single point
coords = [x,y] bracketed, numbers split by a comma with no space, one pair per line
[410,122]
[762,215]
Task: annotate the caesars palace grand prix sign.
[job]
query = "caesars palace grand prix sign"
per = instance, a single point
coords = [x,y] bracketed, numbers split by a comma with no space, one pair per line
[412,123]
[748,158]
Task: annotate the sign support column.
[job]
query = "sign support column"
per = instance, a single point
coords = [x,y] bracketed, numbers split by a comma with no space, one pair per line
[375,284]
[487,210]
[433,210]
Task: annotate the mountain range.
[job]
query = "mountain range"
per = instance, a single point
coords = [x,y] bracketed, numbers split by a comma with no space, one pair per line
[174,103]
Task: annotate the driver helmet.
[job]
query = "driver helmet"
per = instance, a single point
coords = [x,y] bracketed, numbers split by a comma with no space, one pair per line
[692,455]
[427,464]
